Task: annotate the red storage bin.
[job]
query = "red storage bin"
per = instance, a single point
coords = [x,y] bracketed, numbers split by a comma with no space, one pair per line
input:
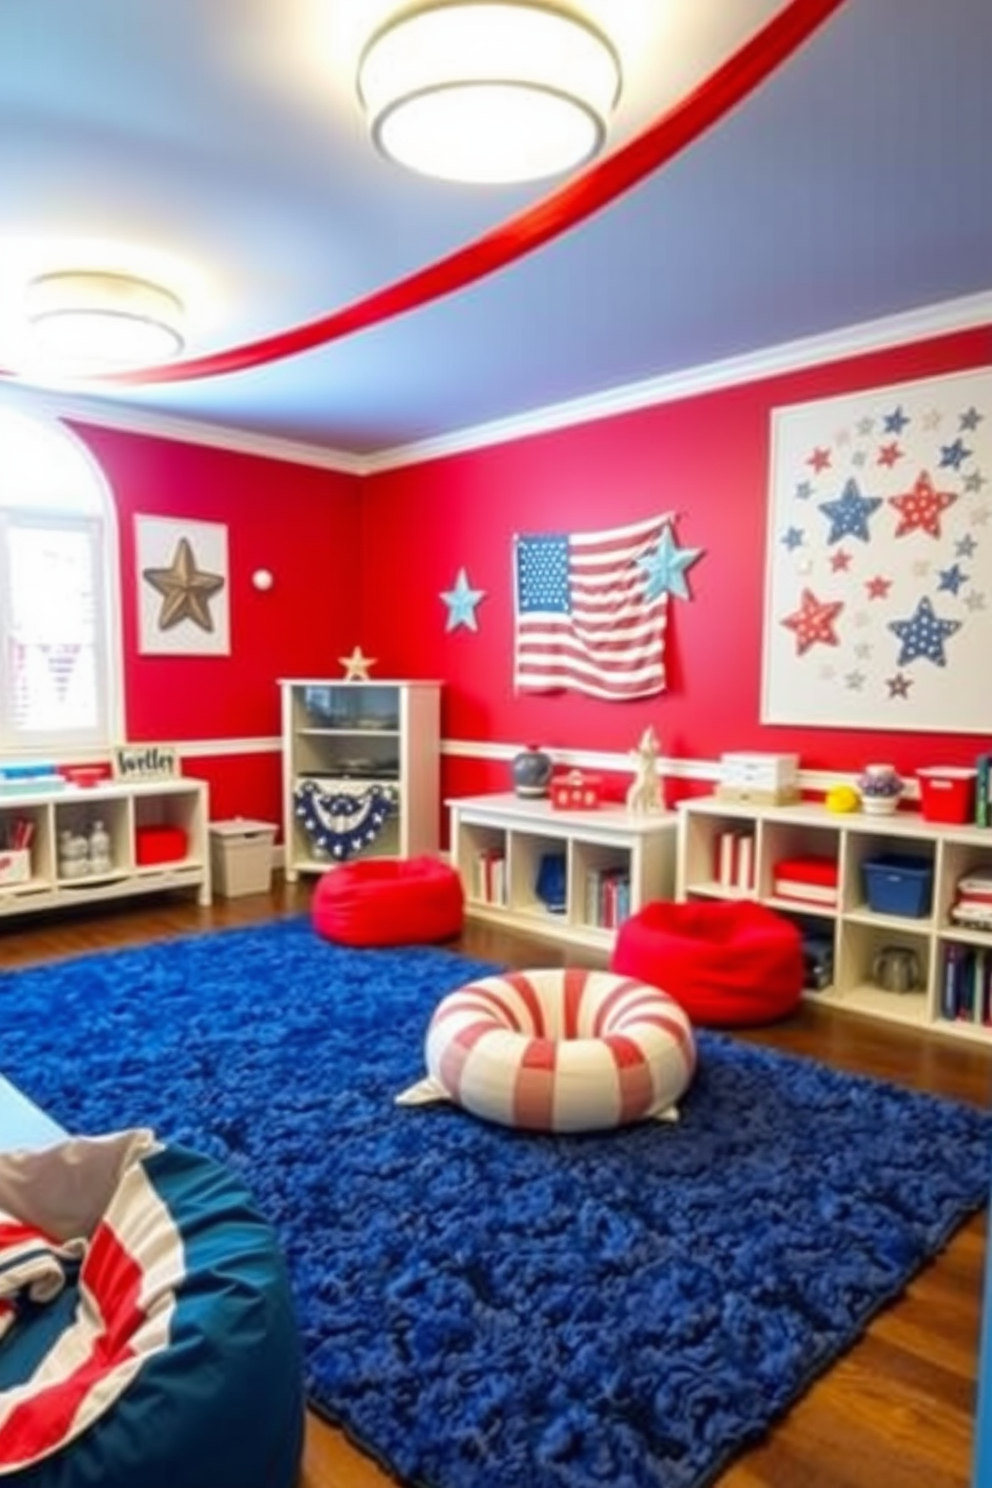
[159,845]
[947,793]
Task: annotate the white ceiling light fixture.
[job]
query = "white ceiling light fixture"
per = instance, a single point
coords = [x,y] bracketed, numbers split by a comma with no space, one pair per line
[87,320]
[470,90]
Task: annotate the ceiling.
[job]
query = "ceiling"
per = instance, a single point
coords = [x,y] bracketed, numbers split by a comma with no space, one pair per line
[219,148]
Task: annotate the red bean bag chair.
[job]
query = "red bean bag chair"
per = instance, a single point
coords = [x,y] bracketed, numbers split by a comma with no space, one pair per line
[724,962]
[389,901]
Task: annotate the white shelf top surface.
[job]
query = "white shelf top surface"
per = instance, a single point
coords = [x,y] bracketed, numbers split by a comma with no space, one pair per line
[538,811]
[809,814]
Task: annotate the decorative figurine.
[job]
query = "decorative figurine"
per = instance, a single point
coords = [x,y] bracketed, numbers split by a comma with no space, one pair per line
[644,793]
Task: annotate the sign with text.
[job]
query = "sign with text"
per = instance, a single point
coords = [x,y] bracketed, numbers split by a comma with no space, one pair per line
[145,762]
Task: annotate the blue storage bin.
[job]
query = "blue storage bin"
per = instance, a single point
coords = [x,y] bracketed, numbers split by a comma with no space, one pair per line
[897,884]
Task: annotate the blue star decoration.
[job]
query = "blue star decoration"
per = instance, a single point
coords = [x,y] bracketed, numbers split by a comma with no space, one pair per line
[895,422]
[793,538]
[952,578]
[970,419]
[954,454]
[849,513]
[665,566]
[923,635]
[461,602]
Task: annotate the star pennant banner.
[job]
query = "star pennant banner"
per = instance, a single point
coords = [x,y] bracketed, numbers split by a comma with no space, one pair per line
[878,596]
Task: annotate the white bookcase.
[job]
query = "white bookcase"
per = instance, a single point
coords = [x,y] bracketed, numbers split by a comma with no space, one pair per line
[121,808]
[498,844]
[856,931]
[359,742]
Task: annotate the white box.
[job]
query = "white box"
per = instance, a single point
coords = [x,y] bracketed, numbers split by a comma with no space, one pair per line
[15,865]
[759,771]
[241,856]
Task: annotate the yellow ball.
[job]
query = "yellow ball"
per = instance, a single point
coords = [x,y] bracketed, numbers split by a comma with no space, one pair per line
[842,798]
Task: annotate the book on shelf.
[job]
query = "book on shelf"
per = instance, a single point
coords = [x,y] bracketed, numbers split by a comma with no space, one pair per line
[745,863]
[983,790]
[489,877]
[966,990]
[733,867]
[726,859]
[607,902]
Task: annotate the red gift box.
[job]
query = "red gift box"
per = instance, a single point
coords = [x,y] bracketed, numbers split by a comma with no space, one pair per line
[575,791]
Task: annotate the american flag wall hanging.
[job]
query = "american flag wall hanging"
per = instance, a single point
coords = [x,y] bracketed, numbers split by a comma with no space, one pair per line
[878,594]
[592,608]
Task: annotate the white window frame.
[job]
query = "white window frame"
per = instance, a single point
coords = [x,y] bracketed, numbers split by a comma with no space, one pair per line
[100,522]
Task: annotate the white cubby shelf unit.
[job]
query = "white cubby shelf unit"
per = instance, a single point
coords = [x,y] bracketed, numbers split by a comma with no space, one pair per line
[122,808]
[614,863]
[347,738]
[857,932]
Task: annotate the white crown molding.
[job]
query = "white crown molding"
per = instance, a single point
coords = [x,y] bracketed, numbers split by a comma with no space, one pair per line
[105,415]
[921,324]
[966,313]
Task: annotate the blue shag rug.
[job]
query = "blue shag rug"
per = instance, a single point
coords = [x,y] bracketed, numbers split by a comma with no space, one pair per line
[483,1308]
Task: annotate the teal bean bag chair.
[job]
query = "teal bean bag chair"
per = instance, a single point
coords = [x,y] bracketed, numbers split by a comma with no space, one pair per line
[147,1332]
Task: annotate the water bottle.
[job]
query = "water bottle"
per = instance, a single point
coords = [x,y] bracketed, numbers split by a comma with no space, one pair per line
[99,848]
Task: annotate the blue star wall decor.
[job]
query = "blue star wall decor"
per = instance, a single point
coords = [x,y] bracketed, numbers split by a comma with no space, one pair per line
[665,566]
[923,634]
[461,602]
[849,513]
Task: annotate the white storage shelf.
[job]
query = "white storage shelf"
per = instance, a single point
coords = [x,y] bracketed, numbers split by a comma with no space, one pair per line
[857,931]
[347,737]
[122,809]
[498,842]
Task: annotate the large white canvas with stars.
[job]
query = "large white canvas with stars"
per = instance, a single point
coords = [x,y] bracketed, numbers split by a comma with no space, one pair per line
[878,596]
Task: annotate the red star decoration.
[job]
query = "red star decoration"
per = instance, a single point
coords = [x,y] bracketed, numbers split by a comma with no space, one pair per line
[813,622]
[889,453]
[840,561]
[819,459]
[919,509]
[878,588]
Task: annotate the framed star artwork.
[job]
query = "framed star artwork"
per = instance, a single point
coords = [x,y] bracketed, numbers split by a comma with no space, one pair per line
[183,587]
[878,578]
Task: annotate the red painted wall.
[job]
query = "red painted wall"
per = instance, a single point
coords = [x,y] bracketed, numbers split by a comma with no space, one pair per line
[301,523]
[705,458]
[363,561]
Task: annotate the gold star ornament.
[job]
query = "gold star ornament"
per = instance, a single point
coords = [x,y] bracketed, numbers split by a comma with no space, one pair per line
[356,666]
[186,590]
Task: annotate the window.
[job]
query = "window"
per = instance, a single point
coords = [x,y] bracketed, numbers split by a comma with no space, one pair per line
[58,594]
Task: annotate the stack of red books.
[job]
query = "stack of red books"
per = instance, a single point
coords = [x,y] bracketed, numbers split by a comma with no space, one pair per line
[809,880]
[973,907]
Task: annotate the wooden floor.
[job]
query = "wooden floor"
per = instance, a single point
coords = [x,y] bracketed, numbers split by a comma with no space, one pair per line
[895,1412]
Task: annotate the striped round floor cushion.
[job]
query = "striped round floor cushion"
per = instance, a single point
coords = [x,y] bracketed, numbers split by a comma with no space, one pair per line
[561,1050]
[163,1348]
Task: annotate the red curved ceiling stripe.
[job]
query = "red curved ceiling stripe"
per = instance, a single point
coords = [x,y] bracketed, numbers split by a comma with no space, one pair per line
[601,184]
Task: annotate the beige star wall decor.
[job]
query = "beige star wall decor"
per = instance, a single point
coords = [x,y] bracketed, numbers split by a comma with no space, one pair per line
[183,588]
